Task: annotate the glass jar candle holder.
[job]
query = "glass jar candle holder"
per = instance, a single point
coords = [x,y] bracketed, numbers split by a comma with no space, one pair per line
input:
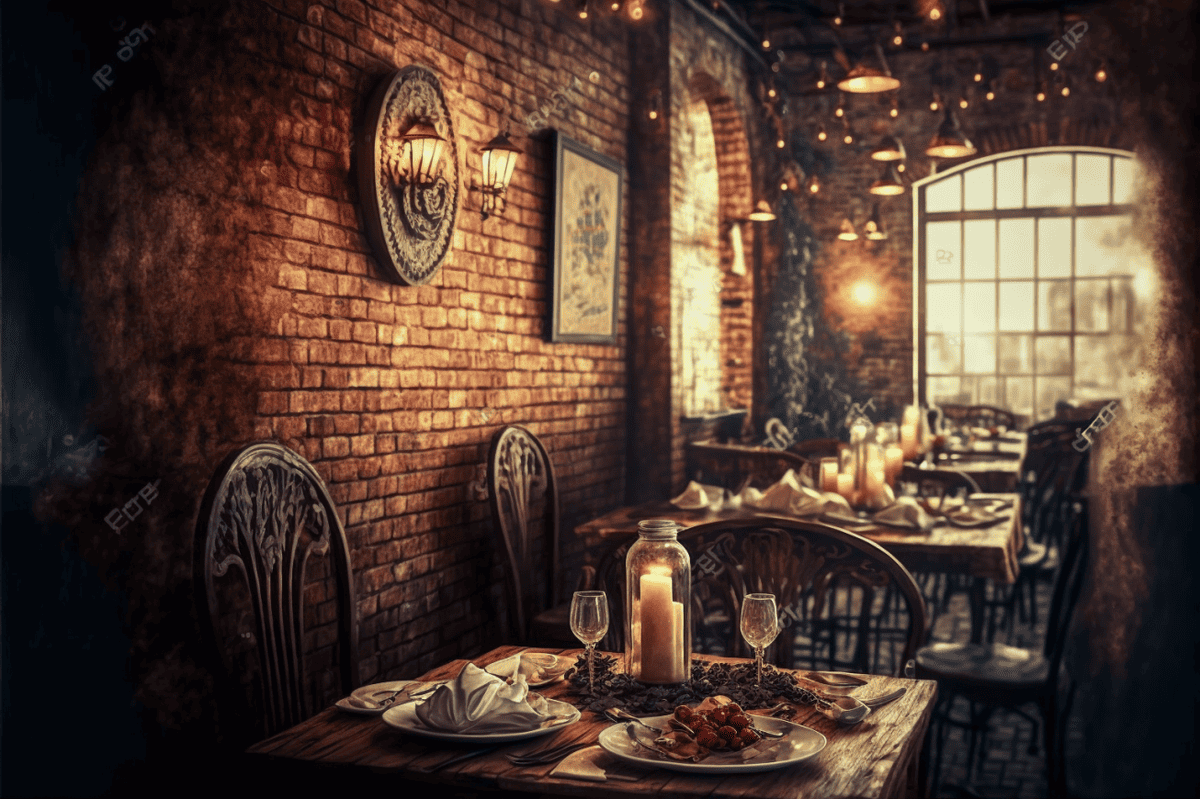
[658,604]
[887,435]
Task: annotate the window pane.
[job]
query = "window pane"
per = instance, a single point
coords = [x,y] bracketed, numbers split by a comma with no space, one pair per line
[1091,179]
[979,188]
[979,307]
[1049,180]
[946,389]
[1122,305]
[979,261]
[1054,247]
[945,195]
[943,240]
[1122,180]
[1016,248]
[1054,305]
[1103,245]
[979,354]
[1010,183]
[1053,355]
[1016,355]
[1049,391]
[988,388]
[1018,394]
[1091,306]
[1016,306]
[943,304]
[943,354]
[1095,366]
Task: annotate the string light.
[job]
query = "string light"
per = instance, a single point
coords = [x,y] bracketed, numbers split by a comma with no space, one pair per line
[934,105]
[979,73]
[636,9]
[821,134]
[1101,74]
[583,10]
[780,143]
[616,6]
[783,186]
[1053,66]
[898,39]
[962,102]
[814,185]
[766,43]
[841,13]
[991,93]
[895,112]
[935,13]
[924,47]
[821,78]
[1041,95]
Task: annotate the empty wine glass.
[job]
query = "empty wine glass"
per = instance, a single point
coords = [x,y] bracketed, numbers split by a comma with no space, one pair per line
[589,623]
[760,625]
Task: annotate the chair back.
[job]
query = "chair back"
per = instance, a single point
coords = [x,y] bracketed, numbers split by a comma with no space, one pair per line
[523,495]
[734,465]
[830,588]
[265,512]
[817,448]
[978,416]
[1068,582]
[1051,471]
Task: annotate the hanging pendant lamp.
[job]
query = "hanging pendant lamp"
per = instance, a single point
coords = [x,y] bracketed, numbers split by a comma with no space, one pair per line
[874,227]
[950,141]
[869,80]
[888,182]
[847,232]
[890,149]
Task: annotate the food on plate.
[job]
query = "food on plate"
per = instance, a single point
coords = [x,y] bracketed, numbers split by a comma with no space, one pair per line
[717,725]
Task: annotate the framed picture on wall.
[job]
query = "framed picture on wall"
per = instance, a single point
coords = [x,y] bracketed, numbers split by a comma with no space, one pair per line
[586,246]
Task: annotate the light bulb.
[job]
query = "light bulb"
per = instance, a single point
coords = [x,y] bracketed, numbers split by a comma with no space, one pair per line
[1101,75]
[962,102]
[837,20]
[838,112]
[783,186]
[933,106]
[653,114]
[899,167]
[1053,66]
[935,14]
[766,44]
[1041,96]
[991,95]
[924,47]
[895,112]
[848,139]
[1066,91]
[779,143]
[770,92]
[820,83]
[897,40]
[821,135]
[979,77]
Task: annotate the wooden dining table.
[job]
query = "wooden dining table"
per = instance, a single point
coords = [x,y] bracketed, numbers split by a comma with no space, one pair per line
[983,553]
[876,758]
[994,464]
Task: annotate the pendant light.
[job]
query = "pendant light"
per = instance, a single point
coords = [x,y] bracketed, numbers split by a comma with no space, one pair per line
[888,183]
[874,227]
[761,212]
[868,80]
[950,141]
[889,149]
[847,232]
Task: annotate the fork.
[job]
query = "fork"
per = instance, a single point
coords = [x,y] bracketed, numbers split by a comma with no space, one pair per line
[548,756]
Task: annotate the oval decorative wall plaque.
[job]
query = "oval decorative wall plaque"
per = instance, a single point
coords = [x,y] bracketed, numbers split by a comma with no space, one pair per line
[410,225]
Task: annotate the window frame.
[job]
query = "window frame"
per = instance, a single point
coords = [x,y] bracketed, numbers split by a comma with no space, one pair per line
[921,218]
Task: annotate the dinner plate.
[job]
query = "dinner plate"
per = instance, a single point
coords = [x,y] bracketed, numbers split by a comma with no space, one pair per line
[539,668]
[404,718]
[376,692]
[800,744]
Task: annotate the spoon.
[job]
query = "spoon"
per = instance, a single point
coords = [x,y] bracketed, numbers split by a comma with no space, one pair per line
[617,714]
[837,679]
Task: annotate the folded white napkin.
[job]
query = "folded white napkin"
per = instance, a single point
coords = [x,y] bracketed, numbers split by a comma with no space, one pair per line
[790,496]
[905,512]
[697,496]
[588,764]
[478,702]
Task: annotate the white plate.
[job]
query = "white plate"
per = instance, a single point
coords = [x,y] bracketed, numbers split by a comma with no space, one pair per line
[368,693]
[551,668]
[800,744]
[404,718]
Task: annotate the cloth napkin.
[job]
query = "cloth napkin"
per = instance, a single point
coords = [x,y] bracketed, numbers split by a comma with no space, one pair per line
[905,512]
[478,702]
[588,764]
[791,496]
[697,496]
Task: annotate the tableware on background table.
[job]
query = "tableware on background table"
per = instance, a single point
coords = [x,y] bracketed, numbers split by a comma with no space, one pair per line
[759,625]
[799,743]
[551,755]
[589,764]
[538,668]
[589,623]
[372,700]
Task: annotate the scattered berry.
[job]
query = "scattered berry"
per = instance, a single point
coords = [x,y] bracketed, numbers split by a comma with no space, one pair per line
[727,732]
[739,720]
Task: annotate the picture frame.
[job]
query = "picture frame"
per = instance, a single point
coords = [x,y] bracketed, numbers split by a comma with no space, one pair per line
[587,244]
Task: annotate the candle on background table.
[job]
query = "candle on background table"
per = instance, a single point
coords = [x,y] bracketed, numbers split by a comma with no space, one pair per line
[893,463]
[658,636]
[845,486]
[829,472]
[908,440]
[874,471]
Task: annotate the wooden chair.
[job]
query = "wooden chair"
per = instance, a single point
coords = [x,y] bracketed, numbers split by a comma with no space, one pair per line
[979,416]
[265,512]
[817,448]
[828,581]
[992,676]
[733,466]
[523,495]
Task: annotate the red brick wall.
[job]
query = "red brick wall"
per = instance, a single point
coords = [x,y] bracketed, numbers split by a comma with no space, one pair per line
[232,295]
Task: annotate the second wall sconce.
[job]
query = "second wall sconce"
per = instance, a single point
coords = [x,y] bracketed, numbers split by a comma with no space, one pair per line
[499,160]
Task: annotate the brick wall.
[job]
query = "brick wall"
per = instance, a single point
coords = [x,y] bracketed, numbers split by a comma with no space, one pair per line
[233,296]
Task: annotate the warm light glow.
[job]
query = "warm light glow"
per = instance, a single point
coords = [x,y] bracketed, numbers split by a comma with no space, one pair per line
[962,102]
[421,152]
[820,83]
[1101,75]
[991,95]
[766,44]
[837,20]
[761,213]
[848,138]
[814,185]
[821,134]
[979,77]
[780,143]
[783,186]
[838,111]
[935,14]
[867,80]
[933,106]
[653,114]
[890,149]
[847,232]
[1053,66]
[924,47]
[1066,91]
[616,6]
[895,112]
[899,167]
[499,160]
[864,293]
[897,40]
[771,92]
[1041,96]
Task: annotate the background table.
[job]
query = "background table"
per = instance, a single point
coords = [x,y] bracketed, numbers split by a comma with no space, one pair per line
[876,758]
[995,465]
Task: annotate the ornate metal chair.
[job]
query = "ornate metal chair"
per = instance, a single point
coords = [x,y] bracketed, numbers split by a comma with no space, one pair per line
[265,512]
[979,416]
[523,495]
[829,587]
[734,465]
[817,448]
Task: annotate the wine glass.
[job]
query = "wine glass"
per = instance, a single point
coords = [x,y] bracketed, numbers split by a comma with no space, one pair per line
[589,623]
[760,625]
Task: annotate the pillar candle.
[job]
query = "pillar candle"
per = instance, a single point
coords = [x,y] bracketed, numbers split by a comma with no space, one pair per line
[658,628]
[893,462]
[908,440]
[874,472]
[845,486]
[829,471]
[680,669]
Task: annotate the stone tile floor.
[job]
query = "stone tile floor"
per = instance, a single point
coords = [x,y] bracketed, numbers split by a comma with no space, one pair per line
[1008,769]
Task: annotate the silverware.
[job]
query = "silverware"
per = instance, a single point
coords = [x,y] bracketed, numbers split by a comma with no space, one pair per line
[880,701]
[550,756]
[836,679]
[617,714]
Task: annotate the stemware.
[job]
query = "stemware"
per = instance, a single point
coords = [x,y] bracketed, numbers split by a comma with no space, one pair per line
[589,623]
[760,625]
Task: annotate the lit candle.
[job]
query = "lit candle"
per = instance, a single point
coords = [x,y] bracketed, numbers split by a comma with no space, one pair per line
[679,668]
[893,463]
[908,440]
[829,474]
[874,471]
[845,486]
[658,622]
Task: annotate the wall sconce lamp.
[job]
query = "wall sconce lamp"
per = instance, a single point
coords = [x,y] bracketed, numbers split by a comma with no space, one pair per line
[762,212]
[499,160]
[420,154]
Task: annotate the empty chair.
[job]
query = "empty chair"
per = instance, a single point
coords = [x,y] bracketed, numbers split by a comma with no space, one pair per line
[978,416]
[267,519]
[817,448]
[523,495]
[992,676]
[829,586]
[733,466]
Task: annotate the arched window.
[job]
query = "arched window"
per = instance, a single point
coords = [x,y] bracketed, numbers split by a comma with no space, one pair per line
[1024,293]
